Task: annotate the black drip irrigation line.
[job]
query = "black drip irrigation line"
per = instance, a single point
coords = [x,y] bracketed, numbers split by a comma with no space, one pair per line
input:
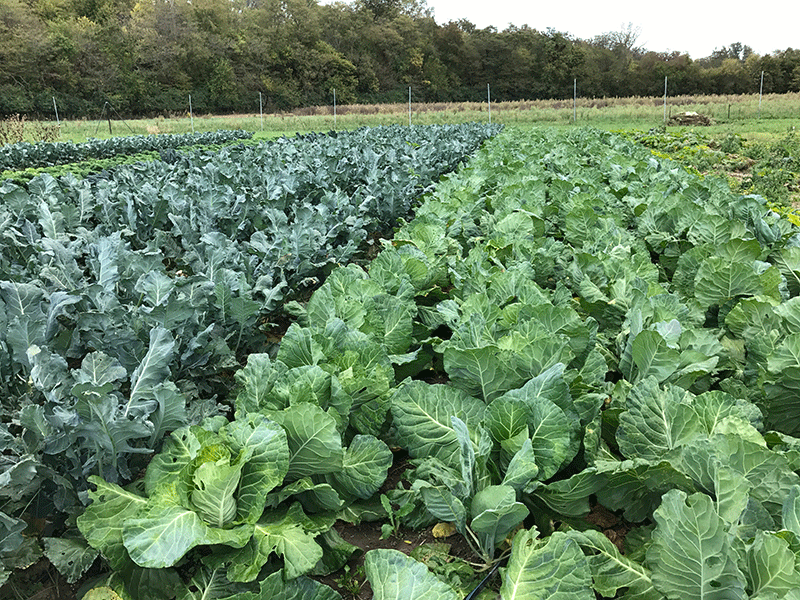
[474,593]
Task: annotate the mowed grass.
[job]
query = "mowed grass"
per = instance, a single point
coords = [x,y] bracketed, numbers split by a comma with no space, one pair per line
[763,120]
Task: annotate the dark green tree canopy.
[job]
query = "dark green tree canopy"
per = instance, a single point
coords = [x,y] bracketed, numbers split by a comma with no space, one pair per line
[145,57]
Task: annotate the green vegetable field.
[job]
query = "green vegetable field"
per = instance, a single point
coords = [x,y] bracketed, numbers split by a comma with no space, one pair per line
[579,359]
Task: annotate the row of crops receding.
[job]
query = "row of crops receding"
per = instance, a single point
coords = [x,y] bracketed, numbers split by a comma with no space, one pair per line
[566,326]
[128,299]
[24,155]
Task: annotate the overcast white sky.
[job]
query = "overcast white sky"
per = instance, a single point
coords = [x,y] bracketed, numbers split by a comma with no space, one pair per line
[697,28]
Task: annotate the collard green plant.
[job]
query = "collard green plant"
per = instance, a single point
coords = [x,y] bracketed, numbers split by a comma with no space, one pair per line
[395,576]
[210,485]
[690,319]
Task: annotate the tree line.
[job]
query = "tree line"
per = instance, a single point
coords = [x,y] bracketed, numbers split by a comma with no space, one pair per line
[144,57]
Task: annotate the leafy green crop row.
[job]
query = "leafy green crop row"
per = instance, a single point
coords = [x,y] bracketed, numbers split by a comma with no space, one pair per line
[127,301]
[604,330]
[79,170]
[626,332]
[96,166]
[24,155]
[611,331]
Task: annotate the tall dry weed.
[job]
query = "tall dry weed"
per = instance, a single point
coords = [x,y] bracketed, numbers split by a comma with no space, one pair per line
[16,128]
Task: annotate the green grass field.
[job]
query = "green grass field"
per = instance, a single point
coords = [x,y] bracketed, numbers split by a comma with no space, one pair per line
[776,115]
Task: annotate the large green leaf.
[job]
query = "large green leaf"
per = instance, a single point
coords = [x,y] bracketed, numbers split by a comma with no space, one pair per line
[691,555]
[102,521]
[276,587]
[652,357]
[17,551]
[522,467]
[390,320]
[507,417]
[320,497]
[256,382]
[719,280]
[656,420]
[445,506]
[269,386]
[145,584]
[771,566]
[179,449]
[267,465]
[729,488]
[715,230]
[312,383]
[99,369]
[715,407]
[787,355]
[752,317]
[613,571]
[555,569]
[789,312]
[336,553]
[552,385]
[482,372]
[553,424]
[22,299]
[71,556]
[210,583]
[153,370]
[788,261]
[791,511]
[298,347]
[363,369]
[170,413]
[315,445]
[782,385]
[282,533]
[361,303]
[422,414]
[467,454]
[495,513]
[769,473]
[570,497]
[155,287]
[395,576]
[164,533]
[215,483]
[534,349]
[24,333]
[364,467]
[636,486]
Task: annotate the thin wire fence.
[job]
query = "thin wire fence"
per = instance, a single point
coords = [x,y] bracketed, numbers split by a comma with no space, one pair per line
[644,112]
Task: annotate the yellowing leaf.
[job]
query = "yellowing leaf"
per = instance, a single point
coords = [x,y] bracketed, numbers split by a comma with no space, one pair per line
[443,530]
[101,593]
